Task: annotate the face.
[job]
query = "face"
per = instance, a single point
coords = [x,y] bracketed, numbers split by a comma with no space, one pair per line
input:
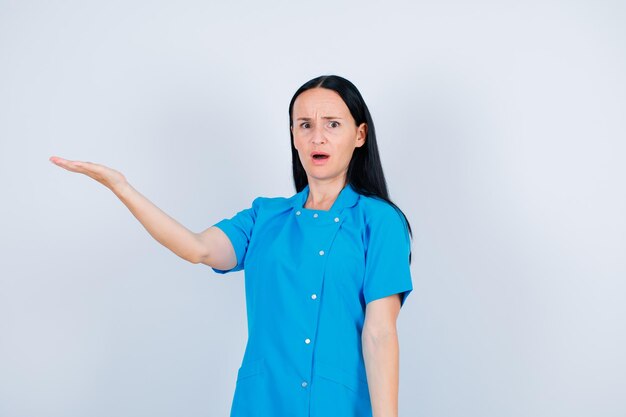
[322,124]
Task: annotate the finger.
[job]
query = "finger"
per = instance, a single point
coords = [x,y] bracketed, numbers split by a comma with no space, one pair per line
[60,161]
[82,167]
[56,160]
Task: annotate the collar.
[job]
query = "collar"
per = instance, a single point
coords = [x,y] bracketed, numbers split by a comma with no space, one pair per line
[347,197]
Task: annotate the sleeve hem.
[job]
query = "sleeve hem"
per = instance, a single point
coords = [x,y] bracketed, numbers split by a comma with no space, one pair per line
[405,293]
[229,230]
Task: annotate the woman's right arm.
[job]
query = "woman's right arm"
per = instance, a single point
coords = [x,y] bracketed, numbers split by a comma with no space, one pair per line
[211,247]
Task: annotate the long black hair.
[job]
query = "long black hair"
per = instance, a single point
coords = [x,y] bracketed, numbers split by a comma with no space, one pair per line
[365,172]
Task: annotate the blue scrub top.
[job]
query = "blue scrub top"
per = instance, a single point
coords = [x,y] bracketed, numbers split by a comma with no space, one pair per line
[308,276]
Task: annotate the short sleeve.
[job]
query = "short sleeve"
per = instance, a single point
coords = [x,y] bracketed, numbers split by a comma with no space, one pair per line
[387,269]
[239,230]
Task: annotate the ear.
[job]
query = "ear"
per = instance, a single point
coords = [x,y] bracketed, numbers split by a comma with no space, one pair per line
[361,134]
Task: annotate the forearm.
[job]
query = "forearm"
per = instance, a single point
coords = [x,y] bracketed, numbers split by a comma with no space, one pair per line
[381,355]
[161,226]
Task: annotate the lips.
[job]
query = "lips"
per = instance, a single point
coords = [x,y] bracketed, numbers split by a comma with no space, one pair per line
[319,155]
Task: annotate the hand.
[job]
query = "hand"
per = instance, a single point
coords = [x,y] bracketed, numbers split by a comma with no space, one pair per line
[106,176]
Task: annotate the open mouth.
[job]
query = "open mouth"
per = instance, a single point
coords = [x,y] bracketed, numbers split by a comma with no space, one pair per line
[320,156]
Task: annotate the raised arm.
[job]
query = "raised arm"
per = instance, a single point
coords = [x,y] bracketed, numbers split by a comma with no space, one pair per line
[211,247]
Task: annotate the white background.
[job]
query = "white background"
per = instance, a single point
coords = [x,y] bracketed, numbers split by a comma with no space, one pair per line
[501,128]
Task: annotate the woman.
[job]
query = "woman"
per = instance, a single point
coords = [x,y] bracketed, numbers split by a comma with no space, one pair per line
[326,270]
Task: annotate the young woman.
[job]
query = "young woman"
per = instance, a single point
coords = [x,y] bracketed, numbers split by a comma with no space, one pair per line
[326,270]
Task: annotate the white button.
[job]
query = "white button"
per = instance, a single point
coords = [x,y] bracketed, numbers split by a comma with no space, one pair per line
[304,384]
[314,296]
[298,213]
[336,219]
[315,215]
[321,252]
[307,341]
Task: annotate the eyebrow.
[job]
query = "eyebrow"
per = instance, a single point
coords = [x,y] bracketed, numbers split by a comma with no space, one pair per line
[324,117]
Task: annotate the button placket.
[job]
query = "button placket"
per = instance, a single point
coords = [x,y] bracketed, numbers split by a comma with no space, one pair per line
[323,227]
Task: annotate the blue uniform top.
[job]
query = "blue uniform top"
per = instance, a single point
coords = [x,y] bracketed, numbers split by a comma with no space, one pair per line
[308,276]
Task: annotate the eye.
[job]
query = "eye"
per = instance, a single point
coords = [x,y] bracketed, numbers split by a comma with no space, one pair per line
[334,123]
[303,125]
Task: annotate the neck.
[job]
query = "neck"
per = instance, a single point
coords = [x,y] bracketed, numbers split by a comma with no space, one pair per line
[322,194]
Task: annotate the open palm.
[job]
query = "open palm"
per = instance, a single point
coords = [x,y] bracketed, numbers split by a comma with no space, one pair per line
[108,177]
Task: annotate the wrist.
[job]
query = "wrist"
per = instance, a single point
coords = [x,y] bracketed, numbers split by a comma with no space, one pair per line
[120,189]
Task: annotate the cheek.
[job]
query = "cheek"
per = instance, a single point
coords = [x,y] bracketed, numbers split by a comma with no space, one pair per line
[346,152]
[296,142]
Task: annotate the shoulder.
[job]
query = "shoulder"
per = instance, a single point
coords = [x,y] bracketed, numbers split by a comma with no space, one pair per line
[376,210]
[272,204]
[382,220]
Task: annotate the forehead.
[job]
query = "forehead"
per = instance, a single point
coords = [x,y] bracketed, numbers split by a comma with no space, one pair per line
[319,101]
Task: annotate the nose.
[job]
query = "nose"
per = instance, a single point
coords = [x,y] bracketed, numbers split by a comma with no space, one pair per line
[317,136]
